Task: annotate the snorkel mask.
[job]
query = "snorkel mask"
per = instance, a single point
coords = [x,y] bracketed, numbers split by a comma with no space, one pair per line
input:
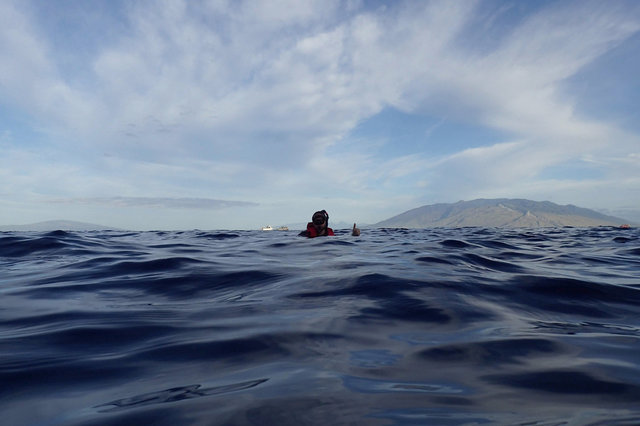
[320,217]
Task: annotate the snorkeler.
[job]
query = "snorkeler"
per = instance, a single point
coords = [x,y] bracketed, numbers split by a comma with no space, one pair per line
[319,226]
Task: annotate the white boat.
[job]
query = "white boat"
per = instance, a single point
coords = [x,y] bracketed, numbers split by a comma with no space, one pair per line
[267,228]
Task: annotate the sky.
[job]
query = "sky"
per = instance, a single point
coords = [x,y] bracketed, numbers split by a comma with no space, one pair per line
[240,114]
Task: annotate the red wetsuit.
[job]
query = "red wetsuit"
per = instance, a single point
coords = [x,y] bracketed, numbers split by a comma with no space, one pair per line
[312,232]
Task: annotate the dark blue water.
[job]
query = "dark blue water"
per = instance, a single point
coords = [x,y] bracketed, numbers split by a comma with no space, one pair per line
[447,327]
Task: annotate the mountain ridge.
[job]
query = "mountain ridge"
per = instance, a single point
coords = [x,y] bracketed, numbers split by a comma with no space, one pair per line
[501,213]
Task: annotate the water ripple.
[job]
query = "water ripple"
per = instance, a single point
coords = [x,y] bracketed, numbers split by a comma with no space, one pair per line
[397,326]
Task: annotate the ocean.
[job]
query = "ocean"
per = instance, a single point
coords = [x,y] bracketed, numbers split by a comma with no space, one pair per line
[463,326]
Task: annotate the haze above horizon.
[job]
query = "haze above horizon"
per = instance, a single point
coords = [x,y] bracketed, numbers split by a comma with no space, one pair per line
[233,115]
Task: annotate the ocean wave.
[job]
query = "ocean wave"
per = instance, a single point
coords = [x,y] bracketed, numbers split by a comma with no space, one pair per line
[444,326]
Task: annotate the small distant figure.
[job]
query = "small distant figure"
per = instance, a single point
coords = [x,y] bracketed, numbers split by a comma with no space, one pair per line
[319,226]
[625,226]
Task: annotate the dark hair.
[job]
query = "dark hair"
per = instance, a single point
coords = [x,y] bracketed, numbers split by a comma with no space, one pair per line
[322,213]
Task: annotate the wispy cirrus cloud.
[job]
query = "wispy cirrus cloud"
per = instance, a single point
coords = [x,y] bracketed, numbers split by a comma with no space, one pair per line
[217,100]
[158,202]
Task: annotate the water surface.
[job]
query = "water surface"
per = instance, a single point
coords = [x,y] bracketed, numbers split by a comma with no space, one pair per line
[447,326]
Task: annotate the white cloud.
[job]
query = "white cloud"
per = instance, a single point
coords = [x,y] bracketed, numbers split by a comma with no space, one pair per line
[236,100]
[158,202]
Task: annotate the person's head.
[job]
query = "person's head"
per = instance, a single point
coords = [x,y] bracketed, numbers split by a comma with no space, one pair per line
[320,219]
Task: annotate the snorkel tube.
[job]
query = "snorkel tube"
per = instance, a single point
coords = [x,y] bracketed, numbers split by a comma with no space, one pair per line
[325,218]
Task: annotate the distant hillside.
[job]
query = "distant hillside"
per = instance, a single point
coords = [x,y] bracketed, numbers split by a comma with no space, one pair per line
[503,213]
[56,225]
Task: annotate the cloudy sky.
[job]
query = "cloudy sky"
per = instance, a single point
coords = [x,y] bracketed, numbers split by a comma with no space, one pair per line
[238,114]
